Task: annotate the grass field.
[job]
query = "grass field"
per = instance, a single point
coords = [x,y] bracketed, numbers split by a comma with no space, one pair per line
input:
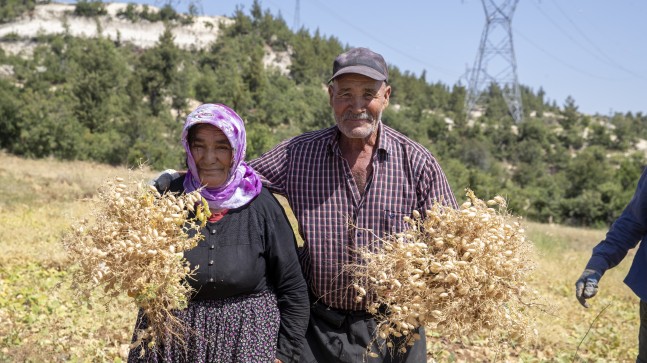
[42,320]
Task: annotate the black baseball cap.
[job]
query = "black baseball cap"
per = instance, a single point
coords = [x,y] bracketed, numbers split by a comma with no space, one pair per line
[361,61]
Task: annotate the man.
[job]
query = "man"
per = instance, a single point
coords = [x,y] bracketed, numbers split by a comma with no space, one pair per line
[347,185]
[624,234]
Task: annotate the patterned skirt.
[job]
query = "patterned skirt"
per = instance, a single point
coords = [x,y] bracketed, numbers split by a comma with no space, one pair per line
[236,329]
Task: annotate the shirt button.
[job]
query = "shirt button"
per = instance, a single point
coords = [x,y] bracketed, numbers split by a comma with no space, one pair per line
[213,231]
[210,262]
[211,279]
[212,247]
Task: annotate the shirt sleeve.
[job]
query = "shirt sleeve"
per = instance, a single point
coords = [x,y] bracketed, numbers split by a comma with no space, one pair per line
[272,167]
[625,232]
[433,186]
[285,275]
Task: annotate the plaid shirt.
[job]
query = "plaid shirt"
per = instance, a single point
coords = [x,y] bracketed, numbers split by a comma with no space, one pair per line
[334,218]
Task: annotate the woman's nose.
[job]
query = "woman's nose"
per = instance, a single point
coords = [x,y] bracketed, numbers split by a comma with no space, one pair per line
[211,155]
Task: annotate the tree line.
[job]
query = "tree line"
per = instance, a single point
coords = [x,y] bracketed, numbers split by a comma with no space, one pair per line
[109,101]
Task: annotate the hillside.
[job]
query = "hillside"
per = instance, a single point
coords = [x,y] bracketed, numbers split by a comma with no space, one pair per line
[50,19]
[112,82]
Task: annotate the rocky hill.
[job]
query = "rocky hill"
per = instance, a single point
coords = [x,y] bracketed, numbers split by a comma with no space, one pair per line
[47,19]
[59,18]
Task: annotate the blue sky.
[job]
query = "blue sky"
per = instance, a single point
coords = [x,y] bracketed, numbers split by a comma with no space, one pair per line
[593,50]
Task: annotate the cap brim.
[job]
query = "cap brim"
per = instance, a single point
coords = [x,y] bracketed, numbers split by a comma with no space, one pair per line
[363,70]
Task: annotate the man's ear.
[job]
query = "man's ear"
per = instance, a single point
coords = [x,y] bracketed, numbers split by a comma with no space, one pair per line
[387,96]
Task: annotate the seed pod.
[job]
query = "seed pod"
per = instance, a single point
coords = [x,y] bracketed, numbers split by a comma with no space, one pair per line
[451,278]
[435,267]
[361,291]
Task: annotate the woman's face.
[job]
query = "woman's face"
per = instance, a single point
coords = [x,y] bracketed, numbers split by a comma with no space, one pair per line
[212,153]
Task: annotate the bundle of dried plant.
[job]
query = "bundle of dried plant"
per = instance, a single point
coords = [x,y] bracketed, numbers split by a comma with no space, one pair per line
[132,243]
[454,271]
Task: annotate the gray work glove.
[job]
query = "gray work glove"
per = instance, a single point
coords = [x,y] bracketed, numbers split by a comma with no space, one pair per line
[587,286]
[163,181]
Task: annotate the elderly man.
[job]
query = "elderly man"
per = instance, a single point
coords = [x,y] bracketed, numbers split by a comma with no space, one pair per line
[347,185]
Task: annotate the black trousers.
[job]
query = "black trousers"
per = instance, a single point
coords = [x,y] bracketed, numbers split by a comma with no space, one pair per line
[342,336]
[642,334]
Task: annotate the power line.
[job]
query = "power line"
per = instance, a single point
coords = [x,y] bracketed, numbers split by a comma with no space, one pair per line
[564,63]
[370,36]
[600,55]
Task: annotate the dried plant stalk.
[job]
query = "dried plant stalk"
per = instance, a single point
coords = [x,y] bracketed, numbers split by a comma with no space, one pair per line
[455,271]
[132,243]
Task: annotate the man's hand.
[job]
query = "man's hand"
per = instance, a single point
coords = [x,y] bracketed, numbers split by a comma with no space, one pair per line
[163,181]
[276,360]
[587,286]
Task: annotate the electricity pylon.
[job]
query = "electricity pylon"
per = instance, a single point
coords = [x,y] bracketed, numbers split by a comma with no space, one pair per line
[495,62]
[297,21]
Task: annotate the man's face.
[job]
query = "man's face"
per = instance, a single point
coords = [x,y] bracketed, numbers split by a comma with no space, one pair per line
[358,102]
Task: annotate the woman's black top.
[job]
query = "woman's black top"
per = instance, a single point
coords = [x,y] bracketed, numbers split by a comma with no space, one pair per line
[250,250]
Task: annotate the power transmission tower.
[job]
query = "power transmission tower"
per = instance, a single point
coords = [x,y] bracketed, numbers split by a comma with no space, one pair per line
[495,62]
[297,21]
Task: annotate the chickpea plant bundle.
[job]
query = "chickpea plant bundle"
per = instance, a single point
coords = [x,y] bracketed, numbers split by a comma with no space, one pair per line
[132,243]
[454,271]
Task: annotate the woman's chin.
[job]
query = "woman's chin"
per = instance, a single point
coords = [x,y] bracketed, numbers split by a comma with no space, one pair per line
[212,182]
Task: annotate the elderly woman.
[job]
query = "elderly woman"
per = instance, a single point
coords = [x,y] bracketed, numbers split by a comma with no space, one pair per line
[251,301]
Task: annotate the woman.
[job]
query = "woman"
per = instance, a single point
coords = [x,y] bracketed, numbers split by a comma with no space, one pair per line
[251,301]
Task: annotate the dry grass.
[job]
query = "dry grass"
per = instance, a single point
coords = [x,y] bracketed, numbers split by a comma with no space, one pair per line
[41,321]
[39,198]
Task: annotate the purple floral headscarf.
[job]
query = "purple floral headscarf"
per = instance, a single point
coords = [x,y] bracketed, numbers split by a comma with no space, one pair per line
[243,184]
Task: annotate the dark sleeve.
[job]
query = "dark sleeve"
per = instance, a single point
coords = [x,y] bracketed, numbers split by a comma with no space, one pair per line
[272,167]
[625,232]
[285,275]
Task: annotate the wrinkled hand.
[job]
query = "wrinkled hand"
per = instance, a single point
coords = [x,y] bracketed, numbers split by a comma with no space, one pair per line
[587,286]
[163,181]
